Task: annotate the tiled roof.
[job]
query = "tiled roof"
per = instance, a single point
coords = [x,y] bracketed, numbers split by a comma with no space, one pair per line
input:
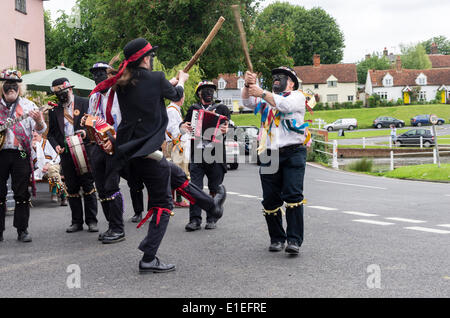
[309,74]
[408,77]
[439,60]
[231,80]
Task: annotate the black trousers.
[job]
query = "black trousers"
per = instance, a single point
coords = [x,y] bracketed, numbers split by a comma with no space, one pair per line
[74,183]
[136,186]
[18,167]
[156,177]
[215,173]
[107,179]
[285,185]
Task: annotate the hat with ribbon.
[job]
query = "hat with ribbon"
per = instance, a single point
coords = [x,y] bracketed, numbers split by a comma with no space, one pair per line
[100,66]
[133,51]
[11,75]
[61,84]
[289,72]
[204,84]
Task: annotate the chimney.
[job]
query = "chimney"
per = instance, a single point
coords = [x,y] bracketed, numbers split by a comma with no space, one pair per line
[398,64]
[367,56]
[434,48]
[385,52]
[316,60]
[62,63]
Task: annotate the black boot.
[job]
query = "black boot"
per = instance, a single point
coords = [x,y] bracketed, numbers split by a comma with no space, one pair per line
[219,200]
[24,236]
[111,237]
[155,266]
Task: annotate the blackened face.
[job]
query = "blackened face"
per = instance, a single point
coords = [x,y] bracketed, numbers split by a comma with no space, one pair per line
[63,96]
[279,83]
[10,91]
[207,94]
[99,75]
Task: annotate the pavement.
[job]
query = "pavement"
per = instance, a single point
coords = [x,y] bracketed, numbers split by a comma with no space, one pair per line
[364,237]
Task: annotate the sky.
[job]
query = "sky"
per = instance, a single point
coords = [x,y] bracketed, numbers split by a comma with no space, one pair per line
[368,25]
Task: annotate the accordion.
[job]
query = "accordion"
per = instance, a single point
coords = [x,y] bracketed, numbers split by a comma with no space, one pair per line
[205,125]
[99,131]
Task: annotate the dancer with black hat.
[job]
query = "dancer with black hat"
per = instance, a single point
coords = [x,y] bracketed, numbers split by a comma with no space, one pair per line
[105,107]
[64,121]
[141,132]
[15,150]
[284,134]
[215,170]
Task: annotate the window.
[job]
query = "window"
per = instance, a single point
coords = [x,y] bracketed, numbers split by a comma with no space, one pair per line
[388,82]
[222,84]
[332,98]
[316,86]
[332,83]
[240,84]
[22,55]
[383,95]
[422,95]
[350,98]
[21,6]
[228,101]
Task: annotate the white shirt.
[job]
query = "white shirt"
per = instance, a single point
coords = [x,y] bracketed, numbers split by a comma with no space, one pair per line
[68,128]
[98,104]
[175,119]
[291,107]
[43,154]
[23,106]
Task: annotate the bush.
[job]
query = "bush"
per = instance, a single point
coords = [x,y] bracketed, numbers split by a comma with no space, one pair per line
[359,104]
[362,165]
[315,155]
[399,101]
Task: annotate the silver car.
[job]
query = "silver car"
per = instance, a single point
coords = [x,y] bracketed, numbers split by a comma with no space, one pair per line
[343,123]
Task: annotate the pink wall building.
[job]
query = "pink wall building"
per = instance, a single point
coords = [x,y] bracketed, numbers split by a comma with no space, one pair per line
[22,35]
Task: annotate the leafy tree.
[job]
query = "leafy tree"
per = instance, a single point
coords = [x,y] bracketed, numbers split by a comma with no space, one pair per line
[376,61]
[415,57]
[315,32]
[443,45]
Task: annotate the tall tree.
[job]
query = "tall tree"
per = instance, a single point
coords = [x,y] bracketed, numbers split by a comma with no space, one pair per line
[414,57]
[315,32]
[376,61]
[442,43]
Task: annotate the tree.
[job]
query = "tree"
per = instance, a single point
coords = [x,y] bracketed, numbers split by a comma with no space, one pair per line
[414,57]
[315,32]
[376,61]
[442,43]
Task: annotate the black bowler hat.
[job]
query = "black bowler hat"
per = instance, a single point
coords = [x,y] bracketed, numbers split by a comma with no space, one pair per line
[289,72]
[135,46]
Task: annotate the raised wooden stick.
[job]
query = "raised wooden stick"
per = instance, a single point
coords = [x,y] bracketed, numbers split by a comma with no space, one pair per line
[205,44]
[237,16]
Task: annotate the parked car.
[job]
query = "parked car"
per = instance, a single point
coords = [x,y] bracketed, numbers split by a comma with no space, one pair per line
[420,120]
[384,121]
[246,135]
[412,138]
[344,123]
[232,154]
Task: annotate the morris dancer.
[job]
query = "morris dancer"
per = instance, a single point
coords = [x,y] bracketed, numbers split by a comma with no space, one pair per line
[216,170]
[283,132]
[46,163]
[104,105]
[64,121]
[15,155]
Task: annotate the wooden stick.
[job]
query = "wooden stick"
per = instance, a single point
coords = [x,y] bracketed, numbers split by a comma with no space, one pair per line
[205,44]
[237,16]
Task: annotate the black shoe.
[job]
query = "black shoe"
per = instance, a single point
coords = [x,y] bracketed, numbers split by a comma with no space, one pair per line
[210,226]
[24,237]
[1,236]
[136,218]
[111,237]
[219,200]
[155,266]
[276,247]
[192,226]
[292,248]
[103,234]
[92,227]
[74,228]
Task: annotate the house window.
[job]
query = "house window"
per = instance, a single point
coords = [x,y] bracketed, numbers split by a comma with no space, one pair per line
[316,86]
[332,98]
[388,82]
[332,83]
[422,81]
[383,95]
[21,6]
[350,98]
[221,84]
[422,95]
[240,84]
[22,60]
[228,101]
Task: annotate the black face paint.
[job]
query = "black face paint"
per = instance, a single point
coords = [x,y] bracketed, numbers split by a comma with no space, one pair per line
[99,75]
[207,94]
[279,83]
[10,86]
[63,96]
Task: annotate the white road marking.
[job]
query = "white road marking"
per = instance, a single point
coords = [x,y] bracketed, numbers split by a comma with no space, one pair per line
[352,184]
[322,208]
[372,222]
[229,192]
[444,225]
[247,196]
[406,220]
[426,229]
[360,213]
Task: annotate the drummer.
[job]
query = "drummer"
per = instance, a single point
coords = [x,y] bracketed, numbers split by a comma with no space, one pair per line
[64,121]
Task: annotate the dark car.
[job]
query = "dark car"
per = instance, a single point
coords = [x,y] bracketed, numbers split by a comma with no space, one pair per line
[384,121]
[420,120]
[412,138]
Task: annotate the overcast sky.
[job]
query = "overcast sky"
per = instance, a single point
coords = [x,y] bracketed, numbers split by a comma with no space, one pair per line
[368,25]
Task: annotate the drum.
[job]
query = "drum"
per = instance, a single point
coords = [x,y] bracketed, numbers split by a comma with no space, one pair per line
[78,153]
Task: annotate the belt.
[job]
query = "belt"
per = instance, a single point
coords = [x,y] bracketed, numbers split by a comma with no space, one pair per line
[291,147]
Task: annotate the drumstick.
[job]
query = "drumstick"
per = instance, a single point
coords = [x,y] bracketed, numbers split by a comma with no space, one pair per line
[237,16]
[205,44]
